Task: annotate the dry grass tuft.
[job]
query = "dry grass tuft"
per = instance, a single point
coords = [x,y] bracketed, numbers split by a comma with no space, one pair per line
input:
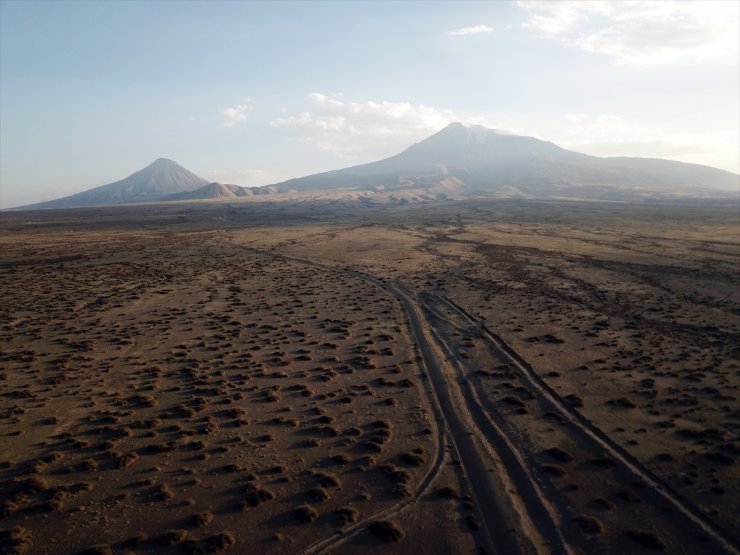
[172,537]
[199,520]
[15,541]
[589,524]
[648,539]
[212,544]
[305,513]
[387,531]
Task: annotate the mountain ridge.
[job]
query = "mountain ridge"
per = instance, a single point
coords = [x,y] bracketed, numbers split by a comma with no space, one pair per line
[485,160]
[160,178]
[456,162]
[216,190]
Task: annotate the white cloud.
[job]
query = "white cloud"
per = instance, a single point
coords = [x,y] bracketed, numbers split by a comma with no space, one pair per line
[236,115]
[304,118]
[612,135]
[640,32]
[364,130]
[470,31]
[552,18]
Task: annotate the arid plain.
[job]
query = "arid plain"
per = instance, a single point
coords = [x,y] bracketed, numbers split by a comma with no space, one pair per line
[338,376]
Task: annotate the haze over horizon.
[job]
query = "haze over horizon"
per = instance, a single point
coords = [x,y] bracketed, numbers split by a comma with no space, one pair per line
[241,93]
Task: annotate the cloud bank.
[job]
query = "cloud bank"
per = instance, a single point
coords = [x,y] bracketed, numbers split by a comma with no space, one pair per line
[613,135]
[639,32]
[366,129]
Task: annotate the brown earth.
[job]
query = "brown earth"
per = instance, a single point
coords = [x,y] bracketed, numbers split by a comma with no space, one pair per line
[315,376]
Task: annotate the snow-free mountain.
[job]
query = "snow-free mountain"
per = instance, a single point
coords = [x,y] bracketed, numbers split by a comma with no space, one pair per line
[160,178]
[218,191]
[457,162]
[463,160]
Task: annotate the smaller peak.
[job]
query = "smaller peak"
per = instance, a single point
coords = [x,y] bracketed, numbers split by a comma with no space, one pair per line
[164,165]
[482,130]
[469,127]
[475,126]
[456,125]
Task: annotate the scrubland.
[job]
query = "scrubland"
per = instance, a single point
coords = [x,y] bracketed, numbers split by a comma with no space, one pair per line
[304,377]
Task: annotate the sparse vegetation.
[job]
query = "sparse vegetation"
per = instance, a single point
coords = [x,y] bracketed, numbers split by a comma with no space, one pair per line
[387,530]
[647,539]
[200,375]
[305,513]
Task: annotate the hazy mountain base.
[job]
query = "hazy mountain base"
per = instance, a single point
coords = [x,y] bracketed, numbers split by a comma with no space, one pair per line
[441,188]
[629,312]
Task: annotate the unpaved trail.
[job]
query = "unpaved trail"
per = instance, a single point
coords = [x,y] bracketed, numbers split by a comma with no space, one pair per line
[589,432]
[512,513]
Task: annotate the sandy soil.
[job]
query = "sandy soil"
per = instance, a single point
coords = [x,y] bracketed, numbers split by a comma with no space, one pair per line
[326,376]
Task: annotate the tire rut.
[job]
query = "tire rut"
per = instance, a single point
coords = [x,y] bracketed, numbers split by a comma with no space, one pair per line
[598,436]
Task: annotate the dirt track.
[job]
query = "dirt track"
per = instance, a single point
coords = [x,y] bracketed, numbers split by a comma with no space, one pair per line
[514,510]
[590,433]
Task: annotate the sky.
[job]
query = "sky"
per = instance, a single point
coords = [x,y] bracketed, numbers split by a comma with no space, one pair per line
[253,93]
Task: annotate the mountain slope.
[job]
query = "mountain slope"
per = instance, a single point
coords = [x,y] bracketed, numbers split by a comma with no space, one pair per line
[483,160]
[211,191]
[158,179]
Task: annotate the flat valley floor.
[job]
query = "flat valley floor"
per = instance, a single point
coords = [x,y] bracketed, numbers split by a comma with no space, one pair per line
[315,377]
